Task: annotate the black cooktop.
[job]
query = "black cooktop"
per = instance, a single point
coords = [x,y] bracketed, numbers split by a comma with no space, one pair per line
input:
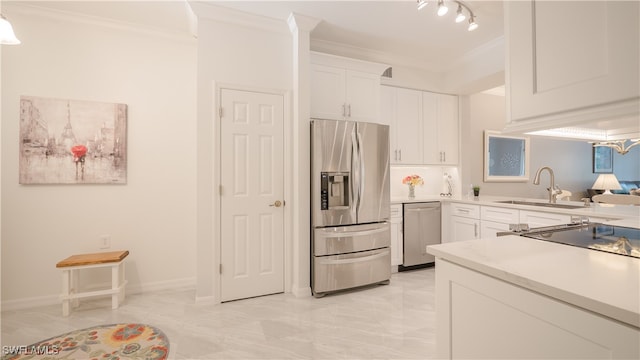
[612,239]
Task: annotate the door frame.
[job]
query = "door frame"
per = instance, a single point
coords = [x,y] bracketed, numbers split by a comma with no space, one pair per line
[288,183]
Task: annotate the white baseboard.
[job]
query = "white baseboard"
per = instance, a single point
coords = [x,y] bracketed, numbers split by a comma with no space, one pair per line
[38,301]
[32,302]
[301,292]
[206,299]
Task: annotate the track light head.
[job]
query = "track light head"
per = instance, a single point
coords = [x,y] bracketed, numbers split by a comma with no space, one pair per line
[421,4]
[460,17]
[472,23]
[442,8]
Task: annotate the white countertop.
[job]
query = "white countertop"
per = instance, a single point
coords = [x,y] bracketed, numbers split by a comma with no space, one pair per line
[604,283]
[629,212]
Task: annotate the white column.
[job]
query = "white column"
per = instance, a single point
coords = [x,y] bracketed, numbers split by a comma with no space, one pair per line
[301,27]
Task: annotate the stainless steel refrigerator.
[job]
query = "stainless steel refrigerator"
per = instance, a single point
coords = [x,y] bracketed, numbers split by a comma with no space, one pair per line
[350,205]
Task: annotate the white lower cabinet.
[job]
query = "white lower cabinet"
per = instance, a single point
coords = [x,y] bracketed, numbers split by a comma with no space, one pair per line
[539,219]
[463,228]
[463,222]
[517,323]
[396,235]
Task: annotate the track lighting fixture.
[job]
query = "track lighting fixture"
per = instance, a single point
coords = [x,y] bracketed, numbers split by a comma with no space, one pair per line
[460,13]
[442,8]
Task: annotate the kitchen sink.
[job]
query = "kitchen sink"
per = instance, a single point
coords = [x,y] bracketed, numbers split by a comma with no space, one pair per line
[533,203]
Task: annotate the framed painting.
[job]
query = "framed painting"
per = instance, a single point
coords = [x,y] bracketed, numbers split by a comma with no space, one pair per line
[602,160]
[72,142]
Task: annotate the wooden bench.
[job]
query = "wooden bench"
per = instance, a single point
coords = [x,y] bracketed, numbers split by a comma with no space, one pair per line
[72,265]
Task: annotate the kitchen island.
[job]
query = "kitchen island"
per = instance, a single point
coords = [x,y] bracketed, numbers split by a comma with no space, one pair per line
[513,297]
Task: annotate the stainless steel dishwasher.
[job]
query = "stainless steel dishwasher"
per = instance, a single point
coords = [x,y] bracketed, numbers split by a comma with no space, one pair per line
[421,228]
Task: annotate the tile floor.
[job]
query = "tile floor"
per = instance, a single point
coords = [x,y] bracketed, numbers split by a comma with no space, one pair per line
[395,321]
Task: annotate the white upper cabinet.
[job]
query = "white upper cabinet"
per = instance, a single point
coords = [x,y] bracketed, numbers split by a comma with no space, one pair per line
[401,109]
[440,128]
[339,92]
[571,63]
[423,125]
[328,92]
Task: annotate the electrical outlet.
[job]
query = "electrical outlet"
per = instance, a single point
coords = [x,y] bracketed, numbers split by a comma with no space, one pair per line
[105,241]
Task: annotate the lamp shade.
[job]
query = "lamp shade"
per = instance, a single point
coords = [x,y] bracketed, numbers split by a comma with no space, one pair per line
[606,182]
[7,37]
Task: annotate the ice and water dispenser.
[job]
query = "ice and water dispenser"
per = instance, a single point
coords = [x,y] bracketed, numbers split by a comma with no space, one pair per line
[334,190]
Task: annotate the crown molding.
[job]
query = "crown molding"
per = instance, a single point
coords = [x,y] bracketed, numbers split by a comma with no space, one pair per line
[205,10]
[298,22]
[351,51]
[32,10]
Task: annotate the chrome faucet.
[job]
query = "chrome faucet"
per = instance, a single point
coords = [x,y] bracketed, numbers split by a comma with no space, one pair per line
[553,188]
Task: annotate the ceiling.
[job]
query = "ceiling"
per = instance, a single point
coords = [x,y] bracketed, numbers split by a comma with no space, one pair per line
[396,28]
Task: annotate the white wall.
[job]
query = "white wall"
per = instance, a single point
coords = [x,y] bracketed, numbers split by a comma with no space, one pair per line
[570,160]
[242,56]
[153,215]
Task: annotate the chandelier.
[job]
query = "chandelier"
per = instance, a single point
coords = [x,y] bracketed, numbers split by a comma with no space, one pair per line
[460,13]
[619,145]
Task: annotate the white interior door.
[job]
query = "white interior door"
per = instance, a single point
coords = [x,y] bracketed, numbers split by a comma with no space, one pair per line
[252,217]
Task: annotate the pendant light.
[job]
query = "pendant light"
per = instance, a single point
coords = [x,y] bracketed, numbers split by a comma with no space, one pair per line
[421,4]
[7,36]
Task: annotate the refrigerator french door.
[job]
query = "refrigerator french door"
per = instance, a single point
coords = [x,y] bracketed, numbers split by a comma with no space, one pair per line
[350,205]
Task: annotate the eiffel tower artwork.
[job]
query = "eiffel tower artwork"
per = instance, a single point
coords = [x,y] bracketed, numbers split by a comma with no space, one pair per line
[72,142]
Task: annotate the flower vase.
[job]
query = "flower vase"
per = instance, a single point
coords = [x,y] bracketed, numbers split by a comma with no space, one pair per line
[412,191]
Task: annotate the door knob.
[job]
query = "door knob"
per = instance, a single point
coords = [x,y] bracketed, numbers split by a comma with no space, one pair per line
[278,203]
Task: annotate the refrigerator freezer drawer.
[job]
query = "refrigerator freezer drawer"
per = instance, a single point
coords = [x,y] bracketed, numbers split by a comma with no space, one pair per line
[348,239]
[338,272]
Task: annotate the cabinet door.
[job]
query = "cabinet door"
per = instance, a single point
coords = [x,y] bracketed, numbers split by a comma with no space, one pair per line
[560,61]
[539,219]
[448,128]
[440,128]
[363,96]
[387,112]
[388,117]
[463,229]
[328,91]
[408,127]
[431,150]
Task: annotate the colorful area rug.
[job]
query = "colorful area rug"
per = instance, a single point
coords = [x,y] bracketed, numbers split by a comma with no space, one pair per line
[105,342]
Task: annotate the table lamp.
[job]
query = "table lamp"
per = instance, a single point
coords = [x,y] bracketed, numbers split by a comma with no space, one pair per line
[606,182]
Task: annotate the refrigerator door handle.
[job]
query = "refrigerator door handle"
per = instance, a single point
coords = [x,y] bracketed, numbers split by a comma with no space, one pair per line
[329,234]
[355,163]
[351,260]
[361,178]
